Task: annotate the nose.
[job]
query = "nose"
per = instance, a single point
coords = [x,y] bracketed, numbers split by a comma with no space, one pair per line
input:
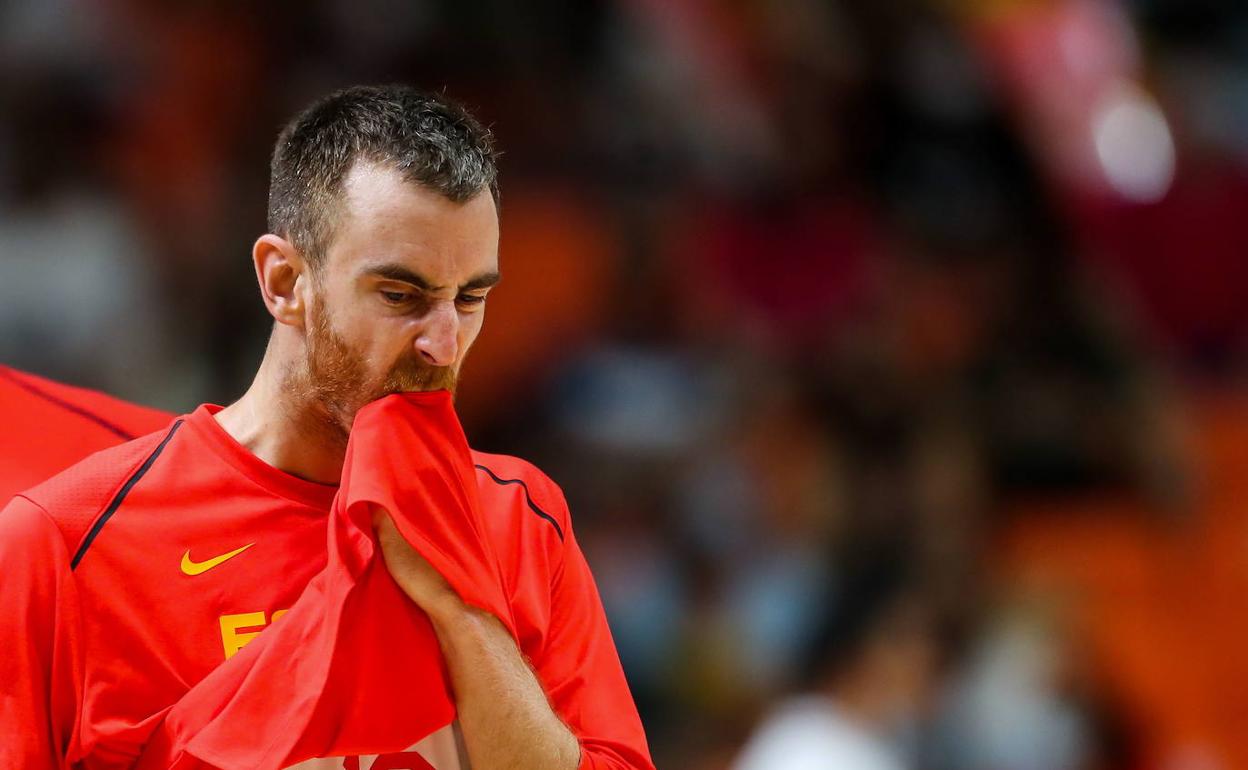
[438,341]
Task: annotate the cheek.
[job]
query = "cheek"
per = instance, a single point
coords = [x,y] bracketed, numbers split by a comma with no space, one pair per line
[377,344]
[469,328]
[394,338]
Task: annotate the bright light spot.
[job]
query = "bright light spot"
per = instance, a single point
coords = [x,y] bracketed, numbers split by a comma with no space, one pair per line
[1133,144]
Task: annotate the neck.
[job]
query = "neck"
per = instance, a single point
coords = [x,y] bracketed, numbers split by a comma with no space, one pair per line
[281,429]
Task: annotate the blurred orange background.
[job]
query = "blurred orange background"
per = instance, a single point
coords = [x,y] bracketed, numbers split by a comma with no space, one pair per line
[891,353]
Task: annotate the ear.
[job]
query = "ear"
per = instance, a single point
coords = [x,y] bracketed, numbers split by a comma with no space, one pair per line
[283,276]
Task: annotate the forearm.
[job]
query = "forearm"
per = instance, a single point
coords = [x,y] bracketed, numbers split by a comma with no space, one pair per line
[507,721]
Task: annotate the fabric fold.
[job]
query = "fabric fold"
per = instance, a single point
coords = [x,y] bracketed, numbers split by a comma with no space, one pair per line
[354,666]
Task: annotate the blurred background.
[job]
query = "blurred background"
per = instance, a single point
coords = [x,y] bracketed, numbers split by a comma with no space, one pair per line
[891,353]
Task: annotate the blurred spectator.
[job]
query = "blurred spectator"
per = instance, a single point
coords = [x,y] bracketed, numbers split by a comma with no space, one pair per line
[1009,708]
[870,672]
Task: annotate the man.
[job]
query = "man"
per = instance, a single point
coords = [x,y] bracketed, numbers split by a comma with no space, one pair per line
[869,672]
[49,426]
[131,576]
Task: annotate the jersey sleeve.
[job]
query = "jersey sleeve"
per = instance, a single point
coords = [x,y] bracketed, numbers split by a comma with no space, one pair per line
[581,673]
[39,639]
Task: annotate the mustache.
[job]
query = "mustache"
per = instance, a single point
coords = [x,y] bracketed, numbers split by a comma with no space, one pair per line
[416,376]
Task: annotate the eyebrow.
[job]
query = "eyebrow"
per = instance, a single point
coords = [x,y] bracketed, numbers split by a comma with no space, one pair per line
[395,272]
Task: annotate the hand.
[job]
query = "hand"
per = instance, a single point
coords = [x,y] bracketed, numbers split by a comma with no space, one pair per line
[423,584]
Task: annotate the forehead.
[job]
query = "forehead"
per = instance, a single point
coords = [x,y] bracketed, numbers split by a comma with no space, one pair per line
[384,216]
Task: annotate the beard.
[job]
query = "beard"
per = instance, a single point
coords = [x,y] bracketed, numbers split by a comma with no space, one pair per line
[335,382]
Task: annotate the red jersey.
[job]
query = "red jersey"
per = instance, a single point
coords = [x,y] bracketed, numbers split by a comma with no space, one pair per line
[49,426]
[134,574]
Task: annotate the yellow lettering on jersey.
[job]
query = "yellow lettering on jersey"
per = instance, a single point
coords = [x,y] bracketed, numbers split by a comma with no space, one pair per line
[233,639]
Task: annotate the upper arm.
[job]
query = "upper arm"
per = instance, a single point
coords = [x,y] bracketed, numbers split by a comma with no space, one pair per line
[581,673]
[39,640]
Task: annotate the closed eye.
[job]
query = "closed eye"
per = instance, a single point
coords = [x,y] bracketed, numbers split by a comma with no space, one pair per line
[471,299]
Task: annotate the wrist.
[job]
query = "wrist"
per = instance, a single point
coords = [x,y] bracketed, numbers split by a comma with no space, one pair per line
[448,611]
[458,623]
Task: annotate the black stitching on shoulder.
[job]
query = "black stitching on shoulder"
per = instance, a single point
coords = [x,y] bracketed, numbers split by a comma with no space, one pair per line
[121,496]
[62,403]
[528,498]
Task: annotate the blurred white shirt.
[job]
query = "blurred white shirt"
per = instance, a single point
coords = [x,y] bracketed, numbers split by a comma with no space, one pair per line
[811,733]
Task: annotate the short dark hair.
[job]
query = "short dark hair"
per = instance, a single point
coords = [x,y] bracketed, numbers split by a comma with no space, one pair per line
[431,140]
[873,588]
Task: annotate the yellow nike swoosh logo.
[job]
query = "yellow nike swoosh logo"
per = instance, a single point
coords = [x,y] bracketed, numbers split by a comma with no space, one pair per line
[198,568]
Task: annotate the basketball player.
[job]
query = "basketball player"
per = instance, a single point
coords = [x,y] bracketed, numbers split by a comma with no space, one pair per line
[132,575]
